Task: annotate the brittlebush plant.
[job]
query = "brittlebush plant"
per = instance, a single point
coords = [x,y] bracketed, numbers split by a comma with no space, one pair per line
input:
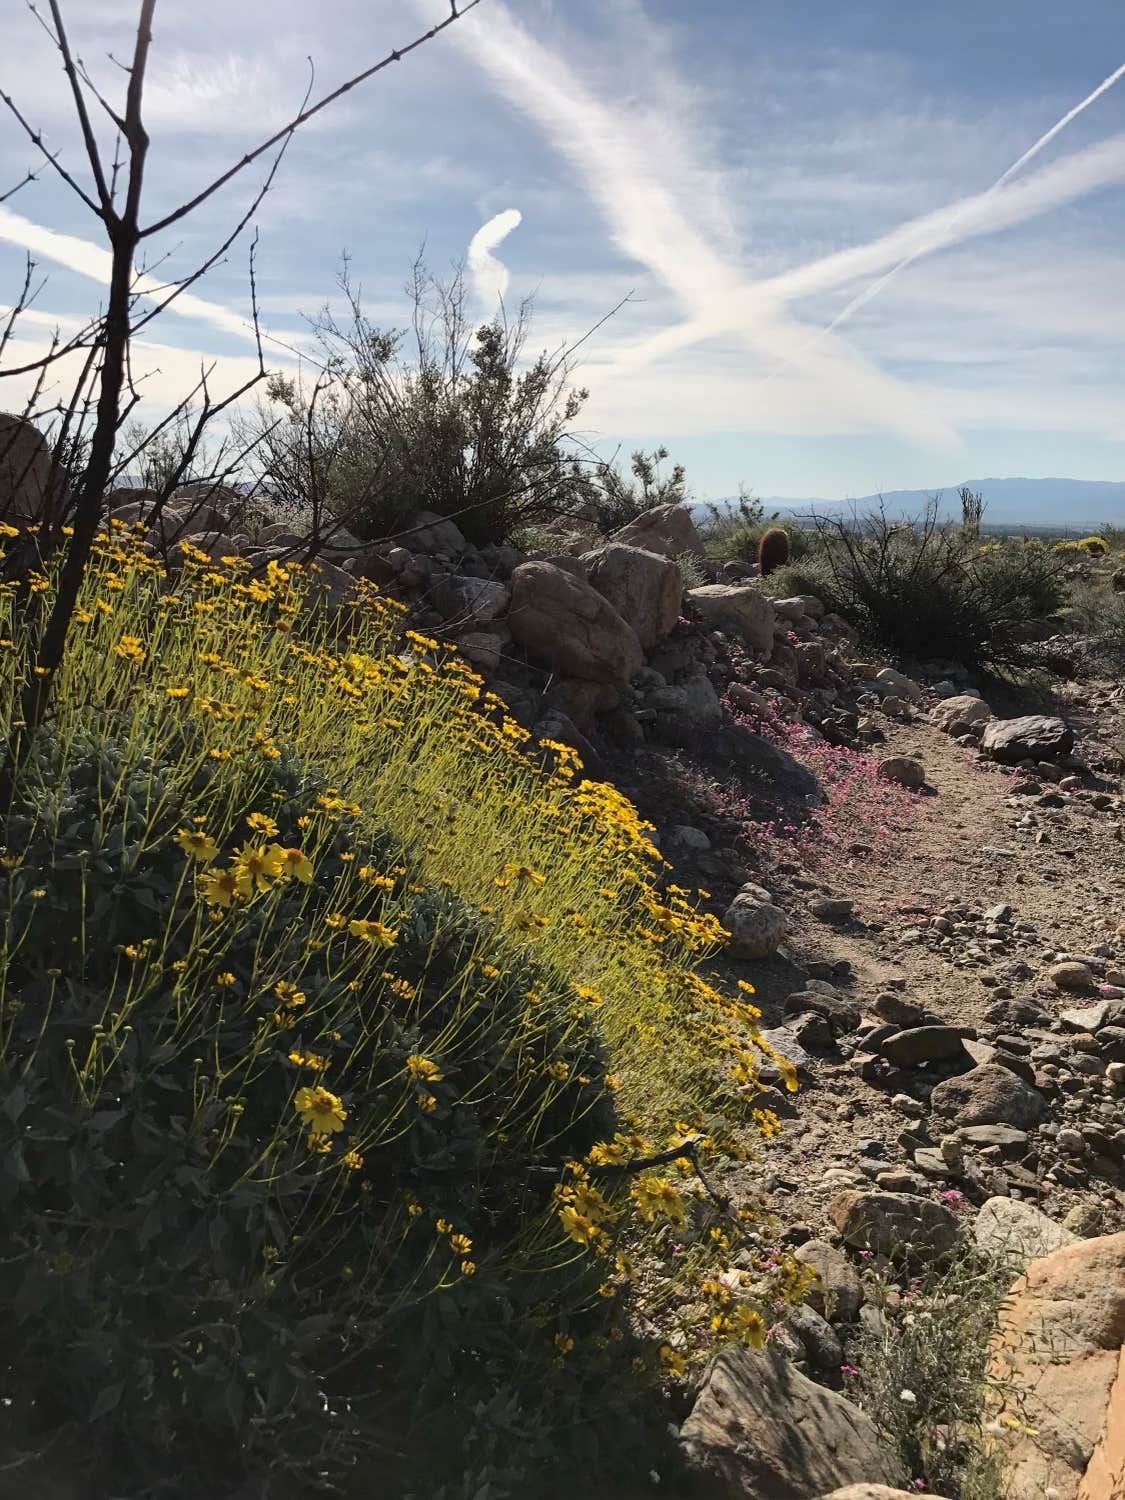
[330,1006]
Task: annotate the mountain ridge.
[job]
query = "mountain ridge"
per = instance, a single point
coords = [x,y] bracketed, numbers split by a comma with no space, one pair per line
[1073,504]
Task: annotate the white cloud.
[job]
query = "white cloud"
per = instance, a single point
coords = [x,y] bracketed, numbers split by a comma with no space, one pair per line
[92,261]
[656,217]
[489,276]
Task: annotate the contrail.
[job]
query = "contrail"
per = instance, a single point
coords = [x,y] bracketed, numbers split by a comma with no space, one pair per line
[876,287]
[490,275]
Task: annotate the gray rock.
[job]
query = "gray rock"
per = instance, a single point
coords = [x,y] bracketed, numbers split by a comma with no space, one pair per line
[432,534]
[831,908]
[764,1430]
[835,1008]
[1005,1138]
[757,928]
[1030,737]
[1016,1232]
[922,1044]
[989,1094]
[887,681]
[897,1010]
[469,601]
[960,710]
[824,1350]
[644,588]
[893,1224]
[838,1292]
[667,529]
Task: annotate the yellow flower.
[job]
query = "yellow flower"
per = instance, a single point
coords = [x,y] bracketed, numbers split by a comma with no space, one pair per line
[426,1103]
[289,994]
[748,1325]
[321,1111]
[559,1070]
[221,887]
[261,823]
[564,1344]
[293,864]
[468,1268]
[375,933]
[318,1142]
[577,1225]
[443,1226]
[134,951]
[309,1060]
[177,692]
[656,1198]
[460,1244]
[257,866]
[674,1363]
[129,648]
[352,1160]
[225,979]
[424,1069]
[335,919]
[197,844]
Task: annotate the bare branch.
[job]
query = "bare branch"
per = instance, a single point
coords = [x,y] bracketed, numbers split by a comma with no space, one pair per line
[306,114]
[89,138]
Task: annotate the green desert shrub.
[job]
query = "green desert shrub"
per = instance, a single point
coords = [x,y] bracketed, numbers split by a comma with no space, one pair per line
[1095,618]
[455,422]
[929,590]
[920,1371]
[613,500]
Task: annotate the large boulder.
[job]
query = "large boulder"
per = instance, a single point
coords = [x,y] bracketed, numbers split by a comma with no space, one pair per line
[768,1433]
[761,761]
[1058,1367]
[989,1094]
[25,471]
[1030,737]
[737,609]
[667,529]
[894,1224]
[961,710]
[644,588]
[562,621]
[1016,1233]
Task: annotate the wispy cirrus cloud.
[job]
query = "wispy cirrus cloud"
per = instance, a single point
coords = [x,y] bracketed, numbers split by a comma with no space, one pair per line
[88,259]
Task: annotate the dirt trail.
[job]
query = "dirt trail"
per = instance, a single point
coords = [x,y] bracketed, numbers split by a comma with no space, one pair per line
[973,846]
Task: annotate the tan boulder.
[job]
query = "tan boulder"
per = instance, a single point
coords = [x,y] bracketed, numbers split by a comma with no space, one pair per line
[1056,1362]
[878,1492]
[564,622]
[667,529]
[25,470]
[737,609]
[768,1433]
[644,588]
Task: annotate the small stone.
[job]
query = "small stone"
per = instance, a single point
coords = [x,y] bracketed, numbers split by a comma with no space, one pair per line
[831,908]
[989,1094]
[757,928]
[1115,1072]
[1071,975]
[1017,1233]
[1084,1220]
[899,1011]
[904,770]
[815,1333]
[908,1106]
[922,1044]
[1001,913]
[837,1292]
[1070,1142]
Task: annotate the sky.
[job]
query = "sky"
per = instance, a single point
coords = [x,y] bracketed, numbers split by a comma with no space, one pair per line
[852,248]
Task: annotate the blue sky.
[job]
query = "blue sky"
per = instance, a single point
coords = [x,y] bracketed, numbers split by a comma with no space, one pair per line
[748,173]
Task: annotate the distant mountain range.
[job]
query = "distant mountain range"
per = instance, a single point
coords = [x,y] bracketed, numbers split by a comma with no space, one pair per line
[1078,505]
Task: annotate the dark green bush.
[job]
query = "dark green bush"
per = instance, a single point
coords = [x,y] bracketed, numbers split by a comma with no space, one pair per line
[202,1297]
[458,424]
[933,591]
[614,500]
[733,536]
